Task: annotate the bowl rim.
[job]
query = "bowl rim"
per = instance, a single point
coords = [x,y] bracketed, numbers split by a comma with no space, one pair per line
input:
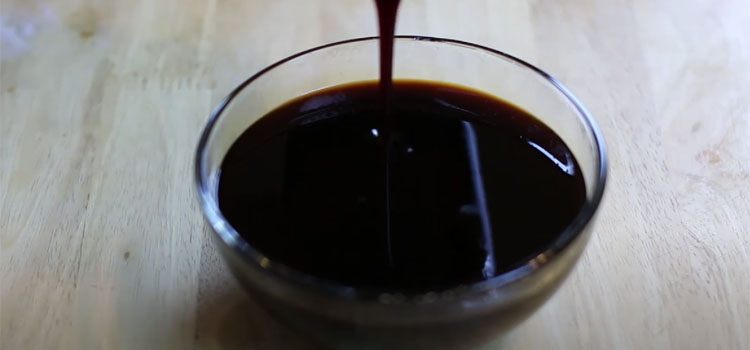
[241,248]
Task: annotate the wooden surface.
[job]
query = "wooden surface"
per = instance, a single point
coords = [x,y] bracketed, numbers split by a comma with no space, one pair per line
[103,245]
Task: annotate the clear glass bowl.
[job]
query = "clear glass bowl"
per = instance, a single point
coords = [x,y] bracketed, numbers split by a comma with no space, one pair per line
[343,316]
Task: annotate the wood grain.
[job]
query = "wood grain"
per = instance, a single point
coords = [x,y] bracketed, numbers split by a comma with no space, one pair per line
[102,245]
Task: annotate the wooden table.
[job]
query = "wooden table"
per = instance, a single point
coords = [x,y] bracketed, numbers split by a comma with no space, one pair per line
[104,247]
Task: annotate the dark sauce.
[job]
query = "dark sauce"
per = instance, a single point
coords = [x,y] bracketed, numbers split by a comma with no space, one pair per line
[387,11]
[476,186]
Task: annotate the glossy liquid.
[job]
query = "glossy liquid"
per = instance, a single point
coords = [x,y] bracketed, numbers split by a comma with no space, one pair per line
[477,186]
[387,11]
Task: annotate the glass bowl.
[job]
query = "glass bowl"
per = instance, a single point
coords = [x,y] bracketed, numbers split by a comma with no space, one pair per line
[343,316]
